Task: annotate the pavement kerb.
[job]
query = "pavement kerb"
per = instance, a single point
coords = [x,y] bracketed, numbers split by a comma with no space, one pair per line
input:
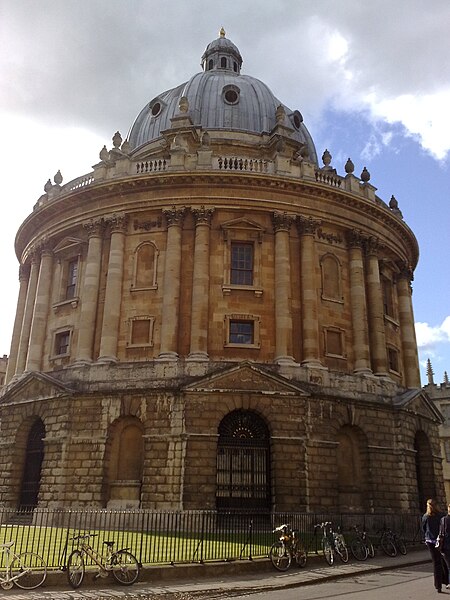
[258,574]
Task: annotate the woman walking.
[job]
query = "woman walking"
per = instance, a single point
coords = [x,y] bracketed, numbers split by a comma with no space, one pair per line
[431,522]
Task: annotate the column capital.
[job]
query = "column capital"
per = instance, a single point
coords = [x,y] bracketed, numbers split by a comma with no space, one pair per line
[308,225]
[117,222]
[282,221]
[24,272]
[372,245]
[405,271]
[94,227]
[355,238]
[174,215]
[202,215]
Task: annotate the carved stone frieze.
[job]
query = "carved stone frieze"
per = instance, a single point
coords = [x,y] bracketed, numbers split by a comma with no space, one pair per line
[148,225]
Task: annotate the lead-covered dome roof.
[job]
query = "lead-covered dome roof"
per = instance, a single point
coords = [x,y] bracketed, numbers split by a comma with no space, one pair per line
[219,98]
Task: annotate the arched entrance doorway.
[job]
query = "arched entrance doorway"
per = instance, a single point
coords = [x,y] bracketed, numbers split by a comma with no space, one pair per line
[34,455]
[426,487]
[243,462]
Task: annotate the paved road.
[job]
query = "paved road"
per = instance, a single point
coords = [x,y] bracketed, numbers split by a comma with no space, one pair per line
[413,583]
[400,578]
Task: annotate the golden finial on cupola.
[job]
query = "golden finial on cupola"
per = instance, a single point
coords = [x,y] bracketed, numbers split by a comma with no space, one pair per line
[222,32]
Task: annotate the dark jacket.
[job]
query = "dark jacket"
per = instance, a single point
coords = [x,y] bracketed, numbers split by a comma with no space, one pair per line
[444,529]
[430,526]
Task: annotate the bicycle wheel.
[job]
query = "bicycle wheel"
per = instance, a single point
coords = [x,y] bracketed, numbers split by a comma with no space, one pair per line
[401,546]
[388,546]
[370,547]
[300,554]
[328,551]
[280,556]
[125,567]
[342,550]
[30,570]
[359,549]
[75,569]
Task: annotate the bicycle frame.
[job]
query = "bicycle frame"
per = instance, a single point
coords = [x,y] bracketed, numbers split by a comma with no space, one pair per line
[102,561]
[9,557]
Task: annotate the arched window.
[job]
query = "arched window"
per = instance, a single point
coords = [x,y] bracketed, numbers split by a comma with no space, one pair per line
[426,487]
[223,62]
[331,278]
[145,266]
[210,64]
[124,463]
[352,457]
[243,462]
[34,455]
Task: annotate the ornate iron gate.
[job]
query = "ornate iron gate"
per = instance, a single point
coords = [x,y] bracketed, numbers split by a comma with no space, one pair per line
[243,462]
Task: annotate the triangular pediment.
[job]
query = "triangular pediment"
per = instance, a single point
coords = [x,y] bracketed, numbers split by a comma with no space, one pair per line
[34,387]
[242,224]
[418,402]
[246,378]
[67,244]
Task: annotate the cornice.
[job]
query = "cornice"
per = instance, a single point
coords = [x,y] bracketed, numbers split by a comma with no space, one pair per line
[213,180]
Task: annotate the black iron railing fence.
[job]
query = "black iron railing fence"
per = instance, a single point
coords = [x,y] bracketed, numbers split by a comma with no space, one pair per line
[170,537]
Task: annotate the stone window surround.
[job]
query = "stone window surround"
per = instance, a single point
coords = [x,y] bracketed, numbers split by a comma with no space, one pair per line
[154,284]
[242,317]
[150,342]
[59,332]
[341,332]
[340,298]
[244,231]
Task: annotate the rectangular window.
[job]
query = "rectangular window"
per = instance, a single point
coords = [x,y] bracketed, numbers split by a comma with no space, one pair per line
[447,450]
[241,264]
[62,342]
[241,332]
[393,360]
[72,275]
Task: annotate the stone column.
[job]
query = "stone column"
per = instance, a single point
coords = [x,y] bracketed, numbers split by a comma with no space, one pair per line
[24,273]
[376,311]
[358,303]
[28,314]
[407,330]
[283,314]
[172,285]
[89,293]
[310,322]
[113,292]
[40,313]
[200,285]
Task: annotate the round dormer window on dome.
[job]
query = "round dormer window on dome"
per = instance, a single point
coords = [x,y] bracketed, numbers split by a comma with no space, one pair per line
[230,94]
[156,107]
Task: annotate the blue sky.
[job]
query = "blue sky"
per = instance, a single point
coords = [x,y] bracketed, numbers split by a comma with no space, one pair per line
[372,80]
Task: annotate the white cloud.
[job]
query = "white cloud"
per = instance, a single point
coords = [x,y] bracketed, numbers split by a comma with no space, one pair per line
[429,337]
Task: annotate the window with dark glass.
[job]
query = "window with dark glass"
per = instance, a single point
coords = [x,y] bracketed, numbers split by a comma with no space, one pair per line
[72,275]
[241,264]
[393,360]
[223,62]
[62,341]
[241,332]
[388,301]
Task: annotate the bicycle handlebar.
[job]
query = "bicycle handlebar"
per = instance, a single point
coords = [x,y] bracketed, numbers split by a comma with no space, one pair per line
[83,536]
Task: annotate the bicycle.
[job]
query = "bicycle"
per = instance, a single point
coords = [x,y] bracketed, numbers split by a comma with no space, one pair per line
[391,543]
[333,542]
[288,547]
[27,570]
[361,546]
[121,563]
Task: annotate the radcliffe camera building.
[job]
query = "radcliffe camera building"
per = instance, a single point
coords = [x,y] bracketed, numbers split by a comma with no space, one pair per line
[216,318]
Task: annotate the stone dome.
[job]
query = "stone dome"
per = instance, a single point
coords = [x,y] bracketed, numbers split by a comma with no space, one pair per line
[220,98]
